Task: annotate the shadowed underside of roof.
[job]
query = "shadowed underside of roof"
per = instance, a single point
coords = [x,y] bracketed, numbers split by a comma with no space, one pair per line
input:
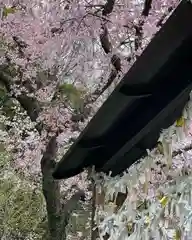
[150,97]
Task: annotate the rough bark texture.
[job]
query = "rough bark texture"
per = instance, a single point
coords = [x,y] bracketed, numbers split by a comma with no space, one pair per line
[147,7]
[30,104]
[51,191]
[107,47]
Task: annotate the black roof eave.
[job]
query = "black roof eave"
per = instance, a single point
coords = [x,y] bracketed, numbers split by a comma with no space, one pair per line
[149,97]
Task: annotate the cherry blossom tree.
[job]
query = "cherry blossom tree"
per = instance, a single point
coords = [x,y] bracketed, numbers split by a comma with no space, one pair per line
[59,61]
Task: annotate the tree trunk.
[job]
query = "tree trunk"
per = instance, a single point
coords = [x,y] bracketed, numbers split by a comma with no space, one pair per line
[58,214]
[51,192]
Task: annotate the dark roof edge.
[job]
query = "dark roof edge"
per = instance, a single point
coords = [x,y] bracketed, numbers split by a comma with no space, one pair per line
[157,52]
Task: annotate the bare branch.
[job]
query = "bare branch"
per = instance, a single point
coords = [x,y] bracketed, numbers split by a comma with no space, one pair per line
[107,47]
[29,104]
[116,62]
[180,151]
[139,26]
[146,8]
[138,34]
[104,38]
[20,43]
[108,8]
[59,29]
[50,153]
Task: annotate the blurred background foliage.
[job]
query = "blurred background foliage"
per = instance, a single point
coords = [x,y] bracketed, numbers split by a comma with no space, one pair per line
[23,210]
[22,207]
[74,95]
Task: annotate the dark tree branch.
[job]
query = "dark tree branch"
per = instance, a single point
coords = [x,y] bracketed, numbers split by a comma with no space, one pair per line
[180,151]
[107,47]
[138,34]
[139,26]
[29,104]
[108,7]
[20,43]
[116,62]
[104,38]
[146,8]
